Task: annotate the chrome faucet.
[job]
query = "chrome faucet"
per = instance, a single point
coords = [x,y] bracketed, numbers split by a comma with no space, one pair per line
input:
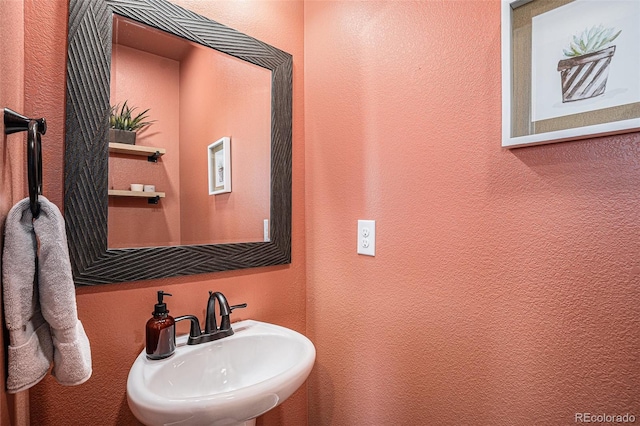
[211,331]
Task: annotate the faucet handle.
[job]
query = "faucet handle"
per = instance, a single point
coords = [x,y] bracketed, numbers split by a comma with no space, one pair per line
[194,332]
[226,322]
[242,305]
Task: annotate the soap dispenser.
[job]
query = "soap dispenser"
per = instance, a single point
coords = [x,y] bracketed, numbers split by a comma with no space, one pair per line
[161,331]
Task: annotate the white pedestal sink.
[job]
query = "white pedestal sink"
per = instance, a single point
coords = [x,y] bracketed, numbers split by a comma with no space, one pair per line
[221,383]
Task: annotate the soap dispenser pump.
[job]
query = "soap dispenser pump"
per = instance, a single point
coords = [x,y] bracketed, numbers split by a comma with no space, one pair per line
[161,331]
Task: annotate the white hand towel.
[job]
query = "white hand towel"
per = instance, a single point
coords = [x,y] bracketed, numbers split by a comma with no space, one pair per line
[51,290]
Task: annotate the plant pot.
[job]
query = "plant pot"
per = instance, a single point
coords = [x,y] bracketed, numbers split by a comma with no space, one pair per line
[122,136]
[585,76]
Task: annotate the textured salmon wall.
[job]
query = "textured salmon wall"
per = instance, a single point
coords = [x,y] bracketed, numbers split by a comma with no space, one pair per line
[114,315]
[12,164]
[505,288]
[224,96]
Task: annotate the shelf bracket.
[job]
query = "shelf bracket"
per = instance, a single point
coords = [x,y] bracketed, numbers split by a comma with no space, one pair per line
[153,200]
[153,158]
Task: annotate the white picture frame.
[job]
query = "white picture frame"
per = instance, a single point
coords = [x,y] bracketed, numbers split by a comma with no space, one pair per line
[219,166]
[523,84]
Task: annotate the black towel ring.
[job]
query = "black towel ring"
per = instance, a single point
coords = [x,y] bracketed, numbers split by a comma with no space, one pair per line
[34,166]
[14,122]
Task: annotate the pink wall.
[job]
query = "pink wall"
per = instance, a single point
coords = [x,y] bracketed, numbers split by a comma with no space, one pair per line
[13,410]
[224,96]
[506,284]
[146,81]
[275,294]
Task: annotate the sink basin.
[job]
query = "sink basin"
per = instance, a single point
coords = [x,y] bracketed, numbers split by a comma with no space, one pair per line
[224,382]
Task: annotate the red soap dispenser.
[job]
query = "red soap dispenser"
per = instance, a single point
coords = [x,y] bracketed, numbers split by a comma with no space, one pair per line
[161,331]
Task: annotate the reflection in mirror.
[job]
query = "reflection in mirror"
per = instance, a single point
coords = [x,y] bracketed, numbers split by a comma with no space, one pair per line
[195,96]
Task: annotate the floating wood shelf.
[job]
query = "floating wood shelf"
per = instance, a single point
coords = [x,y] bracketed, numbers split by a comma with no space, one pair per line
[152,153]
[127,193]
[152,197]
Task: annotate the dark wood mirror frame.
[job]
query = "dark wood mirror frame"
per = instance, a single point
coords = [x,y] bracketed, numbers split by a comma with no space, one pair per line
[86,158]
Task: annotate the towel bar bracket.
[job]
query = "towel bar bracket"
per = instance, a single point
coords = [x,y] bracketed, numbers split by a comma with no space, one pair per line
[35,128]
[14,122]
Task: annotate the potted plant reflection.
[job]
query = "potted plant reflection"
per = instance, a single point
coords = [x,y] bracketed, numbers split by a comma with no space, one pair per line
[124,123]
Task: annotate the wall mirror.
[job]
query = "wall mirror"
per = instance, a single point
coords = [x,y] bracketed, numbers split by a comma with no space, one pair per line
[189,230]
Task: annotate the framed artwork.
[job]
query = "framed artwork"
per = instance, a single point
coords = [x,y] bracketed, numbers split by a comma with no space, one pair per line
[219,158]
[570,70]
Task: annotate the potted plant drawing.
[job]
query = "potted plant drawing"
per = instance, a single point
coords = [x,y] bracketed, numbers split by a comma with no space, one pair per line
[123,124]
[585,72]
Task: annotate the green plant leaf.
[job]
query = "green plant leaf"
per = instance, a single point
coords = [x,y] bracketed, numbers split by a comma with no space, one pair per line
[122,118]
[591,40]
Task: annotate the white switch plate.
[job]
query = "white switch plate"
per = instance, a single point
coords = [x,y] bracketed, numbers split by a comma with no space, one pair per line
[266,230]
[367,237]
